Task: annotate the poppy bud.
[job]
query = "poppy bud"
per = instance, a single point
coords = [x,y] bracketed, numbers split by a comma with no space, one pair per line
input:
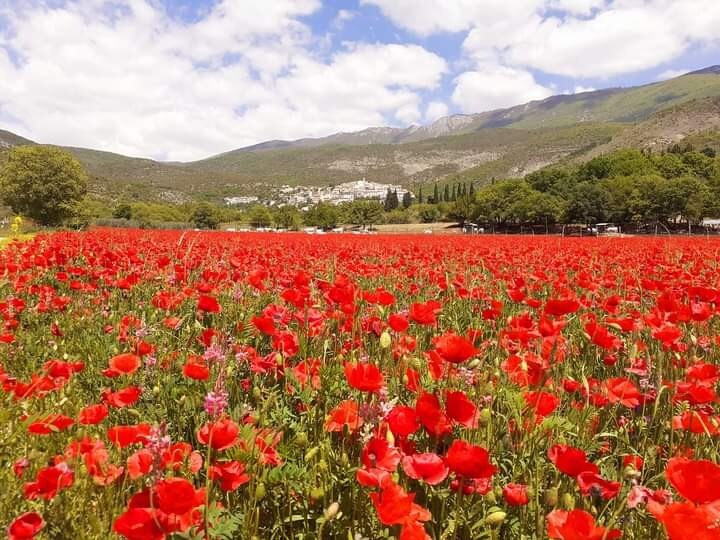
[490,497]
[301,439]
[416,363]
[331,511]
[279,359]
[156,390]
[260,491]
[317,493]
[551,497]
[495,519]
[345,459]
[568,501]
[256,393]
[475,363]
[311,453]
[630,472]
[385,340]
[485,416]
[322,465]
[390,437]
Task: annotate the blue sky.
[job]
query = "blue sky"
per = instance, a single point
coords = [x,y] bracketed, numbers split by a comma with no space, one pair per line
[184,79]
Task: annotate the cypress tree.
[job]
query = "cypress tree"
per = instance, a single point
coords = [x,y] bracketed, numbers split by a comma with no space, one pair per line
[436,195]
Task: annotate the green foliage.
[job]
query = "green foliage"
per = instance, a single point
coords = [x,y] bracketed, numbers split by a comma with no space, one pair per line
[427,213]
[259,216]
[365,213]
[205,217]
[123,211]
[323,215]
[43,183]
[287,217]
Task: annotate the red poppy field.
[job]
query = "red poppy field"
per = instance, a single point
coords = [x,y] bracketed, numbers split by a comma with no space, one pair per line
[221,385]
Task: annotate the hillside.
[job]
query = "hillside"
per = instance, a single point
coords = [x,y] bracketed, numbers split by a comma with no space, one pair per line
[509,142]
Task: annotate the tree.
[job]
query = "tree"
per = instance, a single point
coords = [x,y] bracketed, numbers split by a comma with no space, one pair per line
[406,199]
[43,183]
[446,193]
[436,195]
[428,213]
[462,210]
[259,216]
[123,211]
[365,213]
[323,215]
[204,216]
[288,217]
[420,196]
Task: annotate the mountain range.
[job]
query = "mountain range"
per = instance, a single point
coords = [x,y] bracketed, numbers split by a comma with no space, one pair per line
[499,143]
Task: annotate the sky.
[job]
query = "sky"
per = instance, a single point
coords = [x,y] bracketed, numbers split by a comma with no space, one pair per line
[180,80]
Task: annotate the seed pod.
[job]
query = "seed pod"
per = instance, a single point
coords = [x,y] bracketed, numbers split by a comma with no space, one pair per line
[331,511]
[260,491]
[301,439]
[551,497]
[495,519]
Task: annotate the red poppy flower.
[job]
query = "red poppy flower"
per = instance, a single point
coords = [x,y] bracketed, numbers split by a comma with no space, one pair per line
[49,481]
[469,460]
[197,370]
[26,526]
[429,468]
[569,460]
[126,363]
[696,480]
[591,482]
[431,415]
[396,507]
[425,313]
[364,376]
[123,397]
[461,409]
[50,424]
[621,390]
[398,323]
[577,525]
[220,434]
[345,414]
[542,403]
[230,474]
[139,524]
[93,414]
[687,521]
[516,494]
[378,454]
[454,349]
[403,421]
[208,304]
[559,308]
[140,463]
[175,496]
[126,435]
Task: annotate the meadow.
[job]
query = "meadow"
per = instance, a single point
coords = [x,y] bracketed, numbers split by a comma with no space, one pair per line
[168,384]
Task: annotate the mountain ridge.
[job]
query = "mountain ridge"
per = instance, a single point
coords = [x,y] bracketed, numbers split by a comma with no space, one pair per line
[493,144]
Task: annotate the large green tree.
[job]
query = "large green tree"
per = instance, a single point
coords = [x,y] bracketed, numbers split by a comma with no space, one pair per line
[365,213]
[43,183]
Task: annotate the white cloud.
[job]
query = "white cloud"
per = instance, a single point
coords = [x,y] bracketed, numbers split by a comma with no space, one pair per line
[672,73]
[575,38]
[494,87]
[135,81]
[435,110]
[579,89]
